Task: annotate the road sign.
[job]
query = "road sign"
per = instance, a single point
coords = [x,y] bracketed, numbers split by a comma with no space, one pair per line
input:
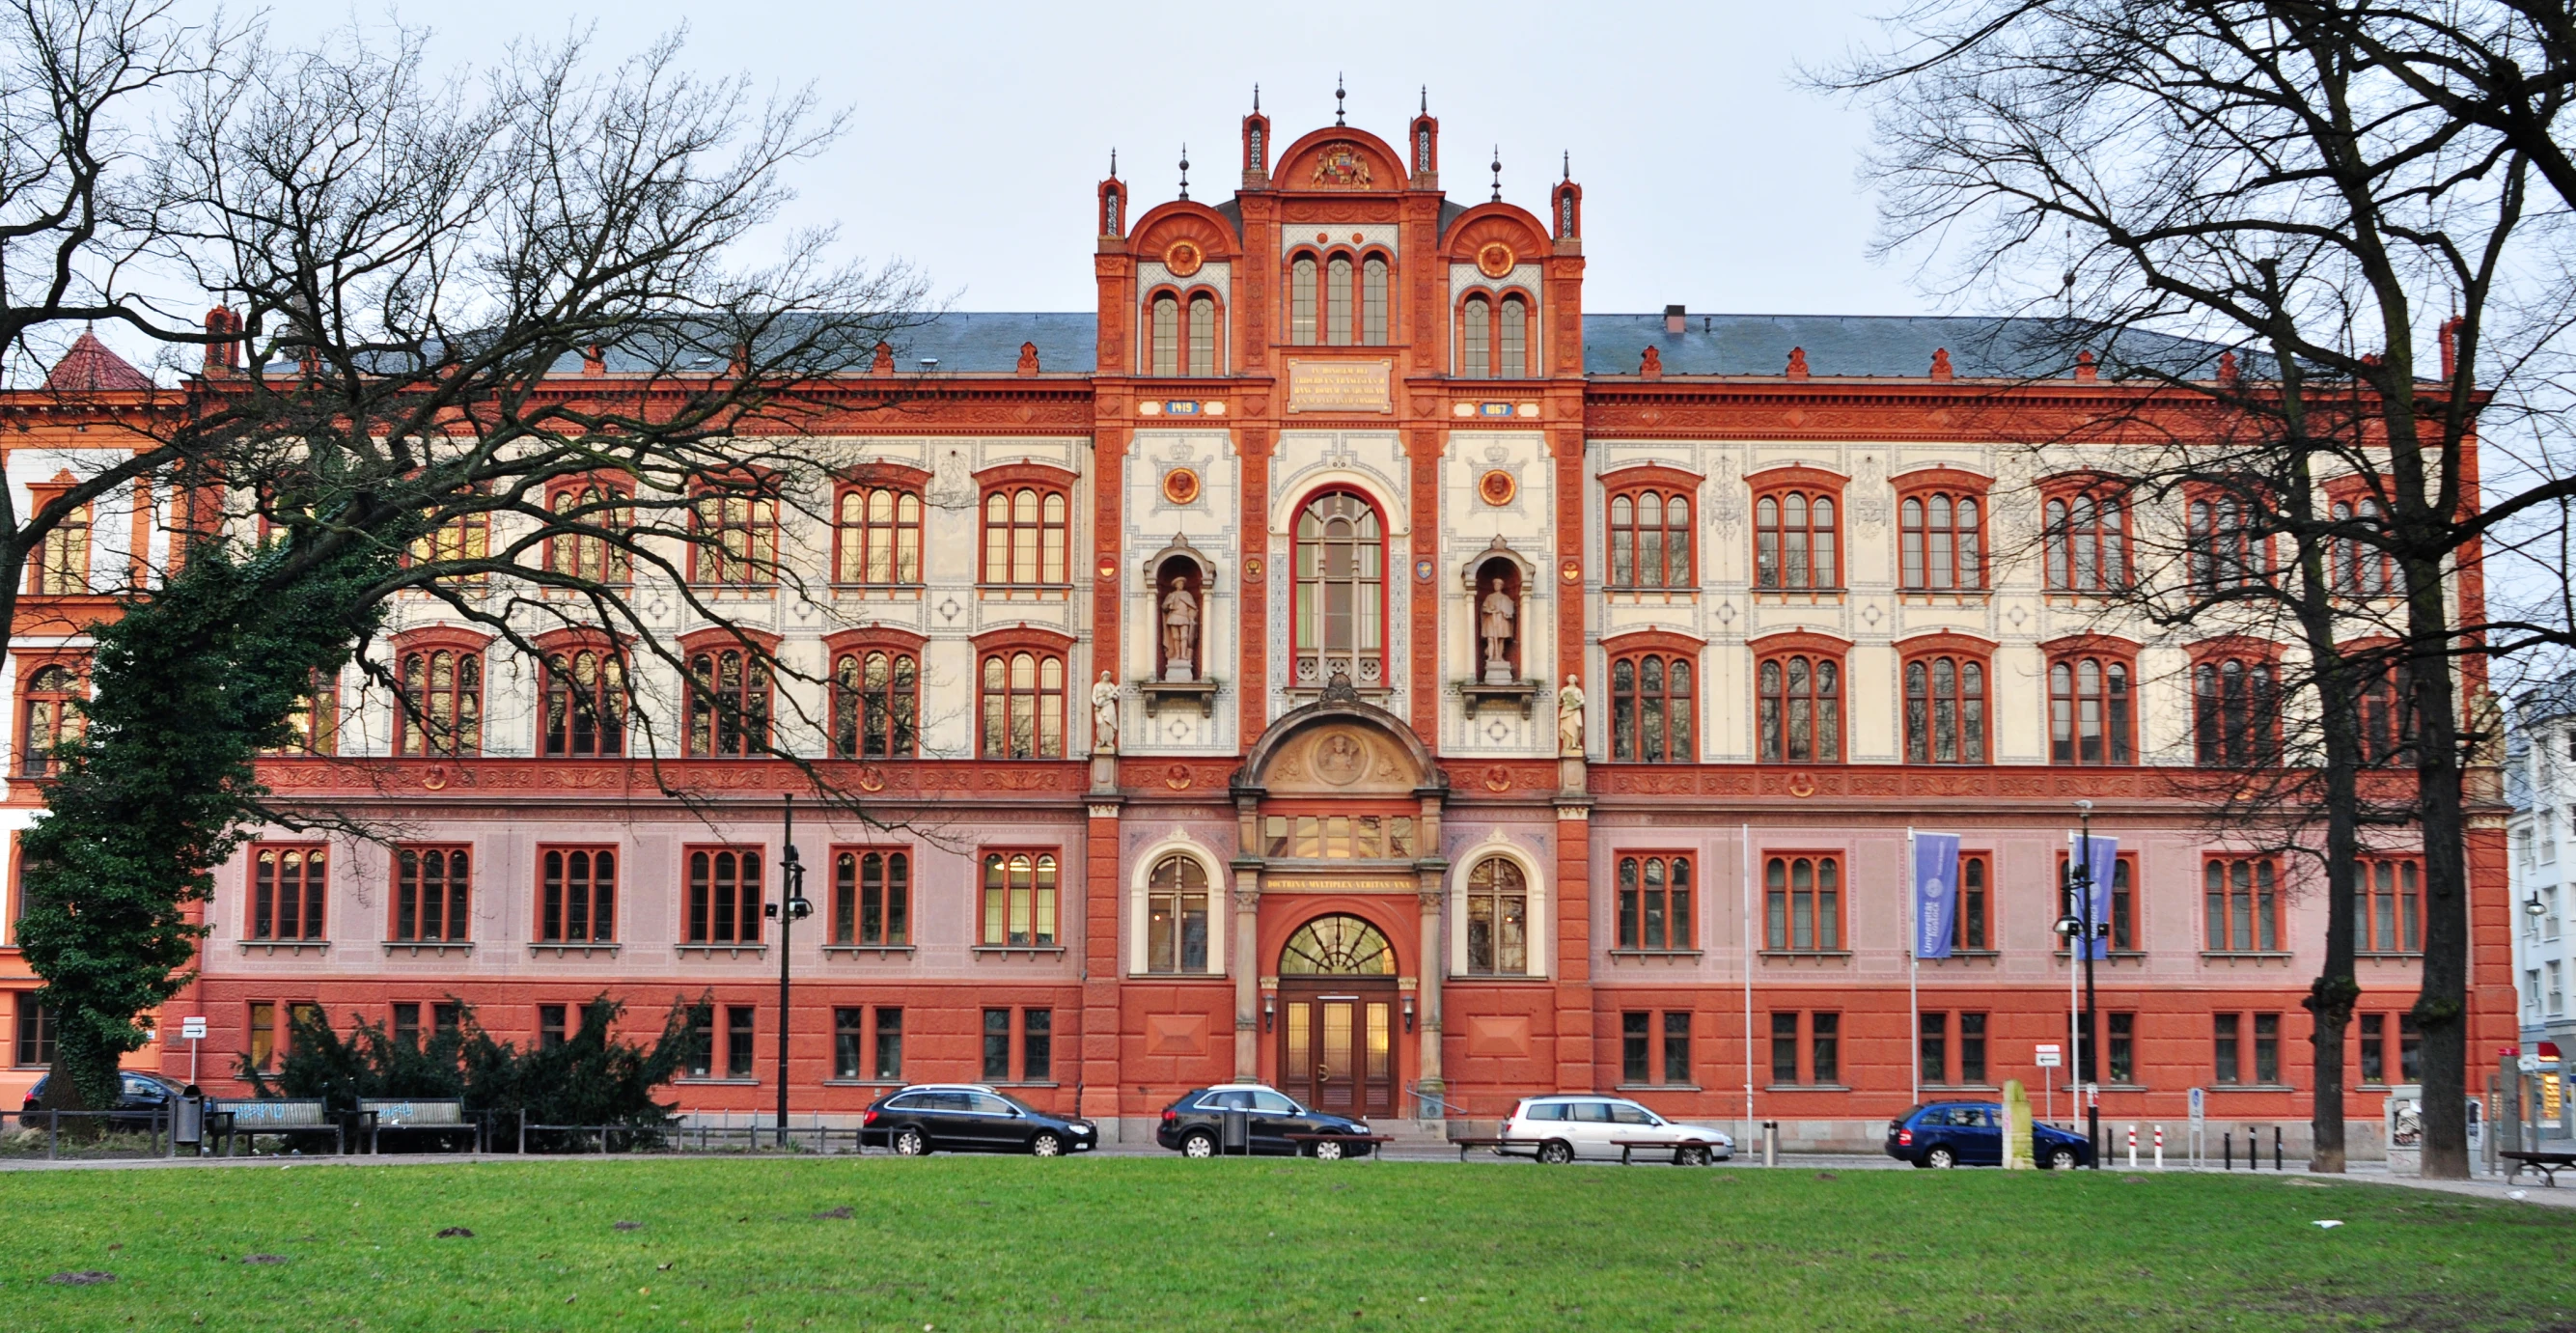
[2529,1064]
[192,1029]
[2050,1057]
[2199,1107]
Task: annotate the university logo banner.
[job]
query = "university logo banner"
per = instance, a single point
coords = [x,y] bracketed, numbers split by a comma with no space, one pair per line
[2100,858]
[1936,892]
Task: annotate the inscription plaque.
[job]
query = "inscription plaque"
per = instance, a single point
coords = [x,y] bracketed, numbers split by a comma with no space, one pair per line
[1341,386]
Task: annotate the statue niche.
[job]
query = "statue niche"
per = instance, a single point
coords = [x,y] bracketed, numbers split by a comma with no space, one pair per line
[1498,621]
[1180,604]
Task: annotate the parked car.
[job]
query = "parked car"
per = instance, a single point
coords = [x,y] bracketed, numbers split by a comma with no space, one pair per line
[141,1099]
[1194,1126]
[1562,1127]
[1945,1134]
[970,1117]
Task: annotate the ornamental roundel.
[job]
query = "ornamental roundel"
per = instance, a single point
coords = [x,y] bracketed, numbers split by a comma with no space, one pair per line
[1496,259]
[1341,164]
[1181,486]
[1497,487]
[1183,258]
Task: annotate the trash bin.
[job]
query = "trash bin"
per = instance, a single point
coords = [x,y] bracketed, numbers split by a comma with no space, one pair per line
[188,1118]
[1236,1127]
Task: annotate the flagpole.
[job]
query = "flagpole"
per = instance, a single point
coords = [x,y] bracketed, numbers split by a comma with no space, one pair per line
[1913,968]
[2074,992]
[1744,875]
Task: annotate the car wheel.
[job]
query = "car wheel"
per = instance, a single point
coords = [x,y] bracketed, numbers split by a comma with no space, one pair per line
[2061,1159]
[1940,1159]
[1555,1152]
[909,1142]
[1046,1144]
[1328,1151]
[1691,1157]
[1199,1145]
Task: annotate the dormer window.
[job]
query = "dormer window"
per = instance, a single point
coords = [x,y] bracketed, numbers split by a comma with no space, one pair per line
[1494,337]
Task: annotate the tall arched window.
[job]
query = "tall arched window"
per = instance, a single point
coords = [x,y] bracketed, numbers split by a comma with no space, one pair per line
[62,568]
[1801,709]
[1176,916]
[2387,716]
[728,703]
[1654,902]
[2088,710]
[1373,302]
[737,542]
[1019,900]
[583,546]
[1024,535]
[880,535]
[1023,705]
[430,894]
[2361,568]
[2088,540]
[1802,904]
[1301,301]
[1476,361]
[1938,541]
[872,898]
[875,704]
[46,718]
[1794,541]
[585,703]
[1650,539]
[1511,348]
[2235,720]
[1945,710]
[1203,334]
[1337,300]
[1497,918]
[1341,590]
[724,895]
[1167,335]
[1650,708]
[442,702]
[2225,549]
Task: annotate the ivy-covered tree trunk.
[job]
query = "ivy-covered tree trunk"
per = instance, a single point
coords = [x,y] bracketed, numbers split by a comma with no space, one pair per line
[186,688]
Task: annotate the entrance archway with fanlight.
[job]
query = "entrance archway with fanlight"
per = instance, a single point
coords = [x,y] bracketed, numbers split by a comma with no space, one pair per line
[1337,1000]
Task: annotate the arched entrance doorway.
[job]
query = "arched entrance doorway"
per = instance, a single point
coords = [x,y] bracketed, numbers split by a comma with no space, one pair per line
[1337,1000]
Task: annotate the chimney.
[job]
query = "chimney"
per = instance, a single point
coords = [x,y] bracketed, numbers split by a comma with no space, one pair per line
[2451,347]
[1676,319]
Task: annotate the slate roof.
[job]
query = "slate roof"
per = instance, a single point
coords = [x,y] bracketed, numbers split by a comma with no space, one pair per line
[90,368]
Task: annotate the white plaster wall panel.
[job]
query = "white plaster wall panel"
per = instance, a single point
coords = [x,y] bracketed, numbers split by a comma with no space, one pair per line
[1215,273]
[1208,523]
[1470,526]
[1387,234]
[1525,279]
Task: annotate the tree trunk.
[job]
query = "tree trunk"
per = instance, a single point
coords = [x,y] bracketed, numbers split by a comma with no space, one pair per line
[2441,1009]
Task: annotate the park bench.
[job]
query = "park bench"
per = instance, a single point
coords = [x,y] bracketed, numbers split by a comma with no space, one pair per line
[2548,1163]
[1375,1141]
[1497,1144]
[1674,1146]
[286,1116]
[442,1116]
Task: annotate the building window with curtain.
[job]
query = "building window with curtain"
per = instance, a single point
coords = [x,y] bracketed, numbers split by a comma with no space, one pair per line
[1340,591]
[1795,542]
[1024,535]
[442,703]
[585,703]
[1023,705]
[1650,539]
[876,704]
[2235,713]
[577,895]
[1945,710]
[1176,916]
[431,894]
[1940,542]
[879,531]
[728,703]
[2089,711]
[1802,904]
[1650,708]
[872,898]
[1655,902]
[1799,697]
[2087,540]
[724,895]
[1019,900]
[2243,905]
[1497,918]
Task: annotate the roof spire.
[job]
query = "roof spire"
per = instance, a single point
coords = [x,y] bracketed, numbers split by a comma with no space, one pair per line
[1185,171]
[1337,99]
[1113,164]
[1256,99]
[1569,164]
[1426,99]
[1498,173]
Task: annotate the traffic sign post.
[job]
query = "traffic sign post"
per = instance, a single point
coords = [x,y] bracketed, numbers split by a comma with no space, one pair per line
[2049,1057]
[193,1029]
[2199,1115]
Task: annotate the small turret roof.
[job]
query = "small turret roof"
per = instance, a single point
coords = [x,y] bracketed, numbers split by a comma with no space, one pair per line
[90,368]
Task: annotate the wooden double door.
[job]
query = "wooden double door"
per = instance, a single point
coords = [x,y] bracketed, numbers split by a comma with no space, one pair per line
[1337,1044]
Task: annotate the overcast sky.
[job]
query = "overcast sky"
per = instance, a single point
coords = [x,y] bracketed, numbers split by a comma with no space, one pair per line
[980,130]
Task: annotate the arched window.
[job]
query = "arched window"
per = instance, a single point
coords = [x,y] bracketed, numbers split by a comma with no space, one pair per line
[1802,904]
[880,536]
[1654,902]
[1301,301]
[1337,300]
[875,704]
[1176,916]
[579,896]
[2235,718]
[1650,538]
[1801,709]
[1023,705]
[1167,335]
[430,889]
[1024,535]
[62,567]
[2387,717]
[1373,302]
[1511,348]
[2088,710]
[1497,918]
[1794,541]
[583,546]
[728,703]
[287,887]
[724,895]
[2242,905]
[2225,549]
[442,702]
[47,718]
[2361,568]
[2388,905]
[1650,708]
[1338,945]
[585,703]
[1019,900]
[1945,710]
[1939,542]
[1341,591]
[315,720]
[737,539]
[872,898]
[1202,334]
[2087,539]
[1477,361]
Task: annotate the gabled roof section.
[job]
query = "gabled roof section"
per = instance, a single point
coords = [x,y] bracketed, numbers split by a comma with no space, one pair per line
[90,368]
[1883,346]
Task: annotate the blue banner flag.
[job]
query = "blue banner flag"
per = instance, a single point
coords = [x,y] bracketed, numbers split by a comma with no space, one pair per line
[2100,862]
[1936,892]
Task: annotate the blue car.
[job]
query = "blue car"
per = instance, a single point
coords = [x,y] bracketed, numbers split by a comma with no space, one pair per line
[1946,1134]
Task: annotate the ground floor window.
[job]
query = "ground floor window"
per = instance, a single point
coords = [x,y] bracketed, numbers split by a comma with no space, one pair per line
[850,1054]
[1036,1046]
[35,1033]
[738,1038]
[2378,1033]
[1644,1036]
[553,1026]
[2120,1045]
[1936,1047]
[1822,1049]
[2246,1048]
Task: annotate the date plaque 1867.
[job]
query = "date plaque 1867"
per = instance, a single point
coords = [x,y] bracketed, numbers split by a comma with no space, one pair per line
[1341,386]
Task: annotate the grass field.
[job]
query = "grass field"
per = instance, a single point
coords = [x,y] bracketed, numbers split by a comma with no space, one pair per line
[1144,1243]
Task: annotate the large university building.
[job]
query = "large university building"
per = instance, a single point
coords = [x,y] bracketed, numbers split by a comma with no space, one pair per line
[1338,660]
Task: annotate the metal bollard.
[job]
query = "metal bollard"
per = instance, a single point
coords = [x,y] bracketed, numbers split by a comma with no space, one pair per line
[2160,1147]
[53,1133]
[2227,1149]
[2133,1147]
[1770,1143]
[2276,1147]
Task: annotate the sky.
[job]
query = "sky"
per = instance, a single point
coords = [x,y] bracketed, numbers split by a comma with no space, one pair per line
[980,131]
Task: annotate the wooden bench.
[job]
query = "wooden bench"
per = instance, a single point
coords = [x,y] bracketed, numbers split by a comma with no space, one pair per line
[275,1116]
[443,1116]
[1497,1144]
[2548,1164]
[1675,1146]
[1375,1141]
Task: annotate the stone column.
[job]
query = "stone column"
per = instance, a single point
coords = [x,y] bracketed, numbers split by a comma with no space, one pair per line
[1247,973]
[1575,1063]
[1103,904]
[1435,962]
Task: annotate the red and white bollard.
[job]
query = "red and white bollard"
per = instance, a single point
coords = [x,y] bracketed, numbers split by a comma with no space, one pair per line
[2160,1147]
[2133,1147]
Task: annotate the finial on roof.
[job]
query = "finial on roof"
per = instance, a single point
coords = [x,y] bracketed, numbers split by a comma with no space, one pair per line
[1498,173]
[1569,164]
[1256,99]
[1337,99]
[1426,99]
[1185,171]
[1113,164]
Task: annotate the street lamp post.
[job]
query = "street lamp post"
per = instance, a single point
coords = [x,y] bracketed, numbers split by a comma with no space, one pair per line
[791,909]
[2084,914]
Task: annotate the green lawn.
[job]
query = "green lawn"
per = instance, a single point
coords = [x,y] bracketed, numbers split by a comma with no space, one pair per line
[1152,1243]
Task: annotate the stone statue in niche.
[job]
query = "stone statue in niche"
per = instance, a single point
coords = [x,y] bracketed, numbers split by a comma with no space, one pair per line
[1499,612]
[1104,715]
[1180,630]
[1569,719]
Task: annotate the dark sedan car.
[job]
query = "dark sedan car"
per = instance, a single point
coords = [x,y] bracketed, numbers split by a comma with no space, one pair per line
[1194,1126]
[970,1117]
[1943,1134]
[141,1099]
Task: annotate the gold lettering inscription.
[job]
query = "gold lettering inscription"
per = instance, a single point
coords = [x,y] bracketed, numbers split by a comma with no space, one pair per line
[1341,386]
